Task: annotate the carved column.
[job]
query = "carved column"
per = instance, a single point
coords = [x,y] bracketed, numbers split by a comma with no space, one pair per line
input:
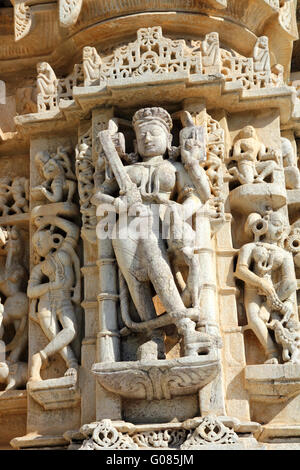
[108,347]
[211,397]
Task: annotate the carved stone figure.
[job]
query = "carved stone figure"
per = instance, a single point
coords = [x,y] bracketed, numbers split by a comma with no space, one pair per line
[14,375]
[144,260]
[211,55]
[13,278]
[261,56]
[58,296]
[58,185]
[20,193]
[289,338]
[259,264]
[5,192]
[254,162]
[291,171]
[91,65]
[46,87]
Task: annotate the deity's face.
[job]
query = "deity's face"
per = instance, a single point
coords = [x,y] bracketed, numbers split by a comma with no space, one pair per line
[275,227]
[264,41]
[51,168]
[42,242]
[213,37]
[152,139]
[248,132]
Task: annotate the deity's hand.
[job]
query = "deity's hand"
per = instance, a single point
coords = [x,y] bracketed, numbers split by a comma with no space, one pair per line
[268,289]
[76,295]
[192,141]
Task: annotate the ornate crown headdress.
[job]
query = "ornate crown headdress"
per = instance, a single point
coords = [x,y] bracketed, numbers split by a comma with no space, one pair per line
[153,114]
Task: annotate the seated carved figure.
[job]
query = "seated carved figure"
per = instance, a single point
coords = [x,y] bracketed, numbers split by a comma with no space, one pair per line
[46,80]
[143,261]
[253,162]
[57,297]
[268,273]
[261,56]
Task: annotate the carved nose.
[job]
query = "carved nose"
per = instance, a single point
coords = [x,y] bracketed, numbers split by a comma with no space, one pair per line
[148,137]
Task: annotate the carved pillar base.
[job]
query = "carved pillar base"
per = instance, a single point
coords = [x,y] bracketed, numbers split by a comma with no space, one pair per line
[209,433]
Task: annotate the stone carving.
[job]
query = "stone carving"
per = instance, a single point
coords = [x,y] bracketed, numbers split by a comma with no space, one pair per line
[58,297]
[13,195]
[166,439]
[13,375]
[211,54]
[142,183]
[69,11]
[261,56]
[288,337]
[13,279]
[291,171]
[210,431]
[257,264]
[104,435]
[46,87]
[254,163]
[152,57]
[85,177]
[91,66]
[148,380]
[59,184]
[23,20]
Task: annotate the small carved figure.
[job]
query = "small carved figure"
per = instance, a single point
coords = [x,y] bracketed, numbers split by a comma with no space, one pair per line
[20,193]
[14,375]
[268,272]
[5,194]
[13,280]
[57,187]
[288,337]
[46,80]
[261,55]
[291,171]
[91,65]
[211,56]
[58,296]
[247,151]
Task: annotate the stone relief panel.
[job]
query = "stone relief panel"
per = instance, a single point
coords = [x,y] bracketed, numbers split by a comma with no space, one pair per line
[14,308]
[154,58]
[54,287]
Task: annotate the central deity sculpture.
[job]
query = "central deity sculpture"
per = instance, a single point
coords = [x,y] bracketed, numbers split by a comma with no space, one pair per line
[147,262]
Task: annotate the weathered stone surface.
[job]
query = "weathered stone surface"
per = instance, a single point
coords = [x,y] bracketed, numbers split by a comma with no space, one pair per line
[149,225]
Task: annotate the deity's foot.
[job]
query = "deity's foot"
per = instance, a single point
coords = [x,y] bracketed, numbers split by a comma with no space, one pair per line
[36,364]
[72,371]
[271,360]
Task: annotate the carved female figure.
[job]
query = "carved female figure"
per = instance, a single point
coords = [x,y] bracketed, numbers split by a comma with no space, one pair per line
[12,285]
[154,179]
[268,272]
[56,297]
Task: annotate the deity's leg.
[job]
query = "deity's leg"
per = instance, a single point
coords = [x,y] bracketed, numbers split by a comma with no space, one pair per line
[60,340]
[253,304]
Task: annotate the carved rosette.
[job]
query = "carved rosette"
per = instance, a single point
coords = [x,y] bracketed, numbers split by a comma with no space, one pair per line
[23,20]
[105,436]
[210,431]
